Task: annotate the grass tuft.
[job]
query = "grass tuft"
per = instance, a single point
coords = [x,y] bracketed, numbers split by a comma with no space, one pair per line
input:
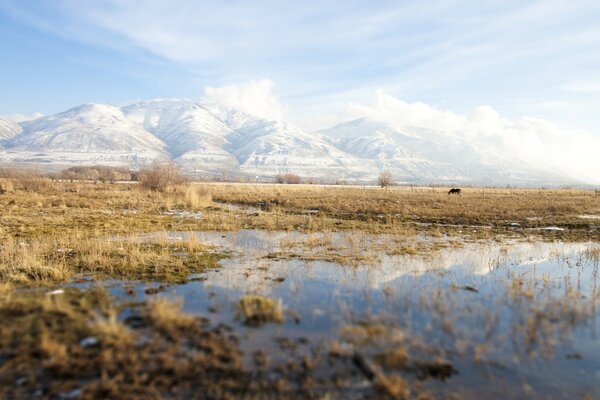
[257,310]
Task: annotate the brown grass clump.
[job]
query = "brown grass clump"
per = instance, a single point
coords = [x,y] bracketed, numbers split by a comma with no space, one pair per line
[22,262]
[394,387]
[196,198]
[6,186]
[167,314]
[43,348]
[394,358]
[257,310]
[363,333]
[110,329]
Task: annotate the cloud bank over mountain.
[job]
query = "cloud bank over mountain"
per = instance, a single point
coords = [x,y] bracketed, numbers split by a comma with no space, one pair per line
[532,140]
[255,97]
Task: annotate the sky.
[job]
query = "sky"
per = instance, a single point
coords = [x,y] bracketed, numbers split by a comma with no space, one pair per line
[316,63]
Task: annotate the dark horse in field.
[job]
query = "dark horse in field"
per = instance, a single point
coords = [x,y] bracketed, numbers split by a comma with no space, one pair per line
[454,191]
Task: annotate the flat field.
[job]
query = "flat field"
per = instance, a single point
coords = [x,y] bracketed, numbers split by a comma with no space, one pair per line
[223,290]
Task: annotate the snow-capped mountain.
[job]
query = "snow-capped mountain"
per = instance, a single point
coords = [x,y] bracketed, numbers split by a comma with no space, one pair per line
[8,129]
[89,133]
[270,147]
[193,136]
[424,155]
[211,139]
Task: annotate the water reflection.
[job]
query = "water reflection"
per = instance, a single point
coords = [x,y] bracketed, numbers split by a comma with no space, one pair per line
[510,317]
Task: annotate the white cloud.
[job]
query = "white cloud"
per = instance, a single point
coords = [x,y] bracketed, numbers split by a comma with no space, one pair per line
[535,141]
[502,53]
[255,97]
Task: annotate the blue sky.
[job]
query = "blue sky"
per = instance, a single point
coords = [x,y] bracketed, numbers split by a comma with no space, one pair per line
[536,59]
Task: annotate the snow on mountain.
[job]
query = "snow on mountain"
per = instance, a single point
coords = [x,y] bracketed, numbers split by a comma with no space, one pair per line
[270,147]
[234,119]
[8,129]
[193,136]
[424,155]
[211,139]
[89,133]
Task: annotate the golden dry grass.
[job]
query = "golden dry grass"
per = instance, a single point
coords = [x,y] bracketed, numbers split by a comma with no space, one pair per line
[257,310]
[166,314]
[529,207]
[98,209]
[109,329]
[51,260]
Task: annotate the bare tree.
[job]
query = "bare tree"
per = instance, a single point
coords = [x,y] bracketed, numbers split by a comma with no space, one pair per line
[385,179]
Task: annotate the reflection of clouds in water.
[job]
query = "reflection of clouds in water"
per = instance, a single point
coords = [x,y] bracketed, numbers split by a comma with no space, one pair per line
[420,296]
[248,270]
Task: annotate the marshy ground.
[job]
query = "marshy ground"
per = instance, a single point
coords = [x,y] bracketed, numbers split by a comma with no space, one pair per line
[285,291]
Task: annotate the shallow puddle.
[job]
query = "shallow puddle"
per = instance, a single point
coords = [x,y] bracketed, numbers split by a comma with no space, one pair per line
[509,319]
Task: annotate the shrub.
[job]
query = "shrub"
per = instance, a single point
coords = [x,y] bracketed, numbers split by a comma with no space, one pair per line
[29,180]
[160,176]
[96,173]
[291,179]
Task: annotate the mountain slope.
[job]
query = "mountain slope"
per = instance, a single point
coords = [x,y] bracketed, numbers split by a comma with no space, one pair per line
[423,155]
[193,136]
[8,129]
[210,138]
[270,147]
[92,132]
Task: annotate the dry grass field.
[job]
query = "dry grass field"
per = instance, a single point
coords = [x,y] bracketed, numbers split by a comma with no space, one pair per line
[489,206]
[53,230]
[60,207]
[61,241]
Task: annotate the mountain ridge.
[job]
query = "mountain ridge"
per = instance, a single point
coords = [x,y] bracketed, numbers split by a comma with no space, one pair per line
[212,139]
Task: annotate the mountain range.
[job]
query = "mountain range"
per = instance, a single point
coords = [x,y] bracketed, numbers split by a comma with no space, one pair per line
[215,140]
